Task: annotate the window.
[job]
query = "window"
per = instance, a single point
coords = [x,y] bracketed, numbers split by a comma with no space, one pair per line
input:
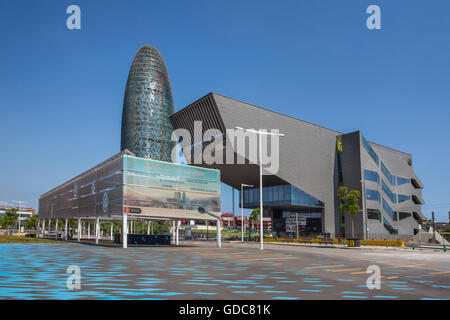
[372,195]
[389,227]
[388,209]
[403,215]
[388,192]
[371,176]
[403,198]
[387,174]
[373,214]
[369,149]
[402,181]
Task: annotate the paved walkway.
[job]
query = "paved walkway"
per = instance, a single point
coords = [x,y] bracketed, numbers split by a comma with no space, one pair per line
[198,270]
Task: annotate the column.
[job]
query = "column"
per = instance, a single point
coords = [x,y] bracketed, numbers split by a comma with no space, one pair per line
[112,230]
[148,227]
[124,231]
[79,229]
[65,229]
[97,229]
[56,228]
[219,235]
[38,228]
[173,231]
[89,229]
[176,232]
[48,232]
[43,228]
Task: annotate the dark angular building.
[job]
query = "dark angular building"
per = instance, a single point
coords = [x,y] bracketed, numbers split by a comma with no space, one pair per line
[147,105]
[313,162]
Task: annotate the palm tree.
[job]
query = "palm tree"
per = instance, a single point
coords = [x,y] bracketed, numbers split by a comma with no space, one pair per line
[254,216]
[349,203]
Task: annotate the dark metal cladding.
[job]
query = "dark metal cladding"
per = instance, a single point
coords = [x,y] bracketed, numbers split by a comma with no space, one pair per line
[147,105]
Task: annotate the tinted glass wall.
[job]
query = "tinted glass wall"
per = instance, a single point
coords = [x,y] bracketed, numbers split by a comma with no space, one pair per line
[279,195]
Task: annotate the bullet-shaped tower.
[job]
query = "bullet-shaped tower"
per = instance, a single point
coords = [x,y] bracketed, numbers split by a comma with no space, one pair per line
[147,105]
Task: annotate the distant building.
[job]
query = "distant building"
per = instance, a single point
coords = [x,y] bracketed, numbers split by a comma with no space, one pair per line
[24,213]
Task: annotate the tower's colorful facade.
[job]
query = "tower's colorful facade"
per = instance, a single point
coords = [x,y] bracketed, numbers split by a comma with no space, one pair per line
[147,105]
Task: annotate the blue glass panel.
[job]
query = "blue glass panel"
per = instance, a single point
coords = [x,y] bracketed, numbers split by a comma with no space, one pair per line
[280,195]
[371,176]
[401,181]
[388,209]
[372,195]
[369,149]
[387,174]
[389,227]
[388,192]
[402,198]
[300,197]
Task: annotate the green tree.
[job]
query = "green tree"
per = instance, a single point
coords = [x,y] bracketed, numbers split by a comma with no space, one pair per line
[31,222]
[348,202]
[9,219]
[254,216]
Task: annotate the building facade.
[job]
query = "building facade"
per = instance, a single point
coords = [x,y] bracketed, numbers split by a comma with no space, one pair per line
[313,162]
[147,105]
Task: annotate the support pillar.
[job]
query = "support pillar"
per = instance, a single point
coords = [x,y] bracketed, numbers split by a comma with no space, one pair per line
[89,229]
[124,231]
[176,232]
[219,235]
[173,231]
[97,229]
[48,232]
[79,229]
[56,228]
[43,228]
[38,228]
[148,227]
[65,229]
[112,230]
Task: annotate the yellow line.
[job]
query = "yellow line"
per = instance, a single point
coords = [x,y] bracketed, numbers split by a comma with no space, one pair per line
[440,272]
[393,277]
[360,272]
[342,270]
[318,267]
[273,258]
[410,265]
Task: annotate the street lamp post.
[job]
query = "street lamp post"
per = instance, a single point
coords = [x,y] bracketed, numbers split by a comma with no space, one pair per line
[260,132]
[242,207]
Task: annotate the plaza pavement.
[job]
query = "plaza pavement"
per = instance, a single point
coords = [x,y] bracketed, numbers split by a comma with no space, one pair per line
[199,270]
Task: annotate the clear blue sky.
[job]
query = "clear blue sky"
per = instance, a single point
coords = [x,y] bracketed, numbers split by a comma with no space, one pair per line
[61,91]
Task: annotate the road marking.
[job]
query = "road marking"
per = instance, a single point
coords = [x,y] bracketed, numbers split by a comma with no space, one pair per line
[268,258]
[393,277]
[360,272]
[440,272]
[318,267]
[342,270]
[410,265]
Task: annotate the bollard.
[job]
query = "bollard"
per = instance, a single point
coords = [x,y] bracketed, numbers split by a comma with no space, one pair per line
[387,245]
[364,243]
[445,248]
[414,246]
